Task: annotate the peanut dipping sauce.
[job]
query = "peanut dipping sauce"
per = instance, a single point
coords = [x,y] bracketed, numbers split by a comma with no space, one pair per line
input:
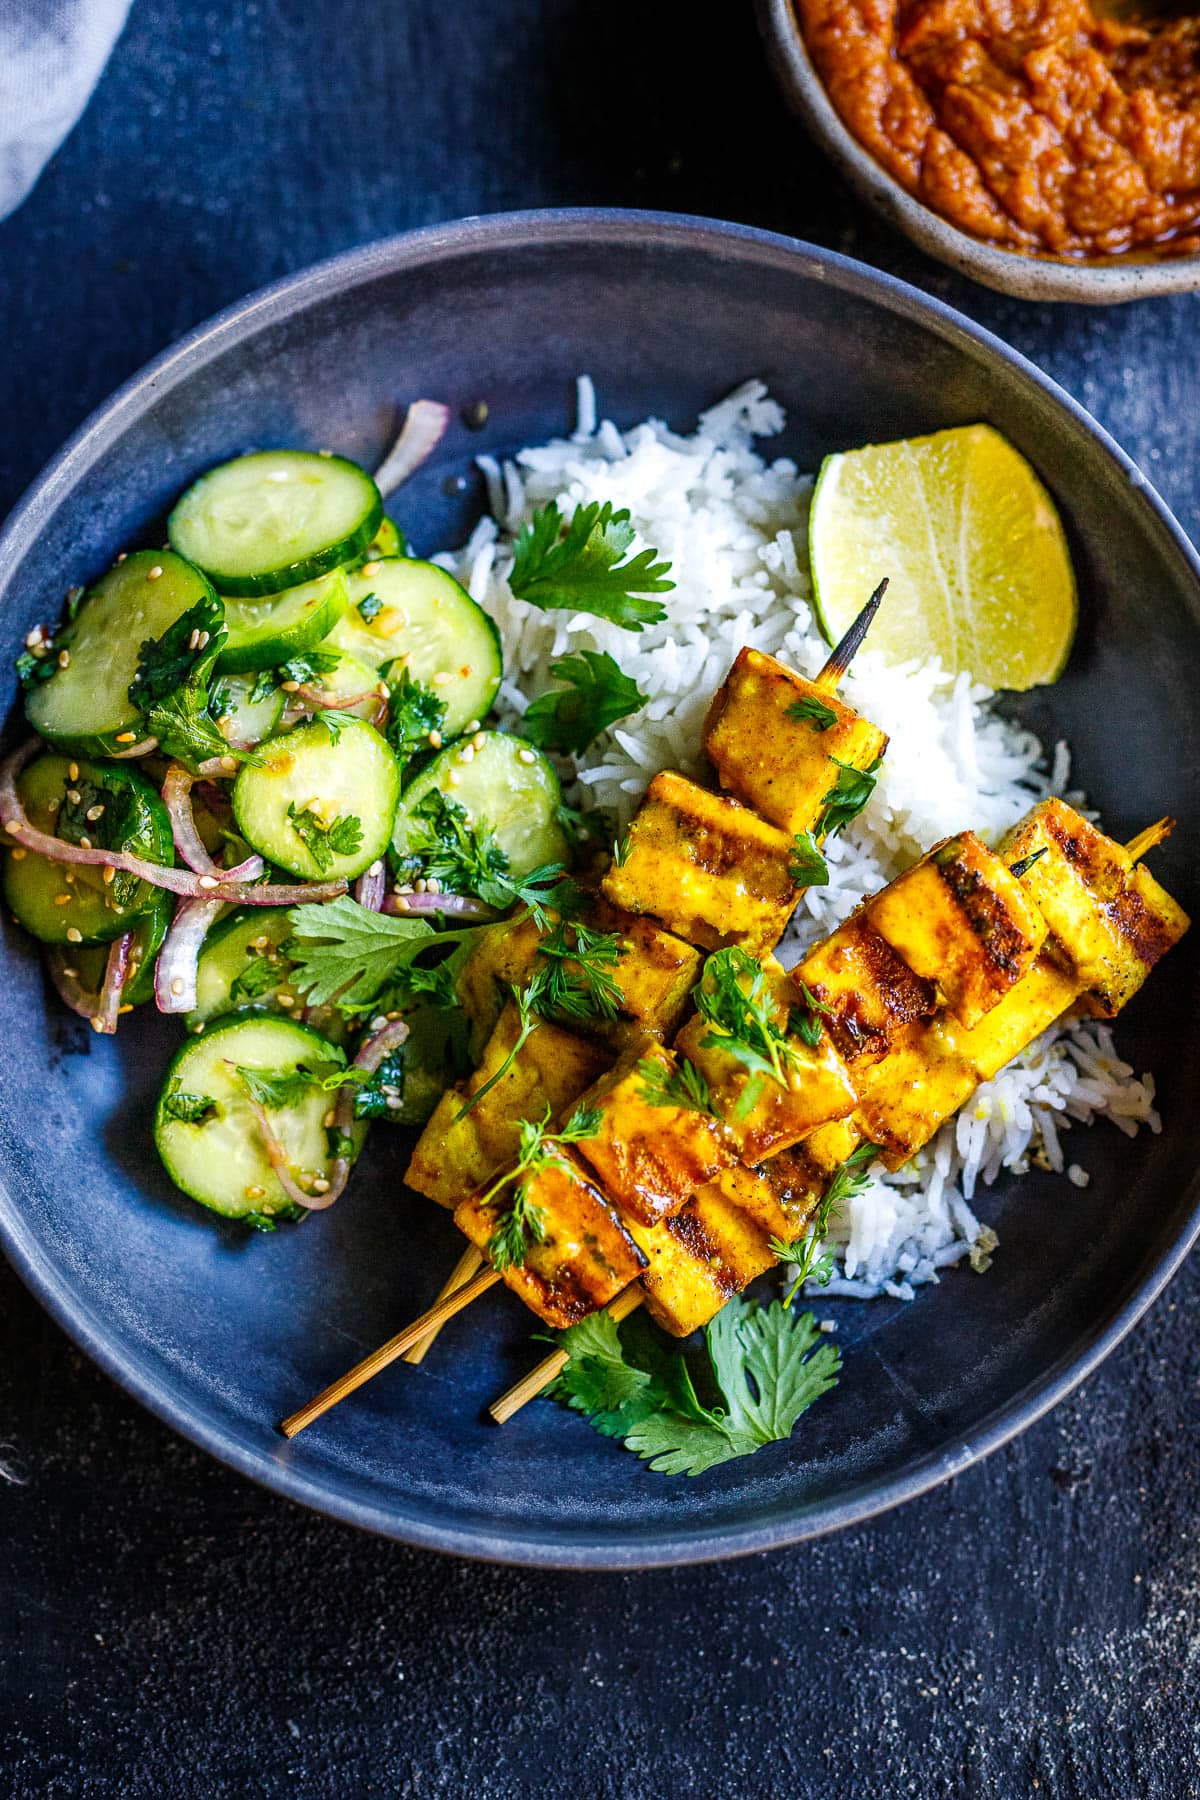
[1032,124]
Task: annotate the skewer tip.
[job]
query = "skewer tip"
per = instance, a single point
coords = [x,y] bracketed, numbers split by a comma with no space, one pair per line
[848,648]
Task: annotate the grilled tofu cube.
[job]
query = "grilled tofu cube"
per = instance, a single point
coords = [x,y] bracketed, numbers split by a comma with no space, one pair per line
[796,1183]
[1111,920]
[648,1157]
[713,1248]
[708,868]
[904,1099]
[585,1257]
[654,974]
[776,740]
[868,991]
[826,1149]
[961,918]
[552,1069]
[1041,996]
[817,1087]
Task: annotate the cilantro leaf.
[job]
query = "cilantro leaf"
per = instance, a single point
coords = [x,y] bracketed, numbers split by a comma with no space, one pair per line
[597,695]
[276,1088]
[807,867]
[185,728]
[341,837]
[579,566]
[308,667]
[185,653]
[190,1109]
[846,798]
[386,1084]
[346,953]
[414,711]
[466,859]
[370,607]
[820,716]
[768,1366]
[259,976]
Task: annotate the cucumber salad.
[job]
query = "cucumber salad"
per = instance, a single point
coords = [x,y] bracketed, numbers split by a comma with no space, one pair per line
[262,794]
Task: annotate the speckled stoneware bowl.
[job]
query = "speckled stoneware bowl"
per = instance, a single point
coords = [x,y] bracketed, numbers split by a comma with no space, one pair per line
[221,1332]
[1028,277]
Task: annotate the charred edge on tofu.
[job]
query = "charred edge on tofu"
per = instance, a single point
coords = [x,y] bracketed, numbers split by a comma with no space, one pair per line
[905,997]
[1089,852]
[687,1229]
[990,919]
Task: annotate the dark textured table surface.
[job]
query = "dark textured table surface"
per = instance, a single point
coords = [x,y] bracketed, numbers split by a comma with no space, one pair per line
[168,1630]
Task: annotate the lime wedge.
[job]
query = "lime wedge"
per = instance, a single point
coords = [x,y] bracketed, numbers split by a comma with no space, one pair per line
[974,550]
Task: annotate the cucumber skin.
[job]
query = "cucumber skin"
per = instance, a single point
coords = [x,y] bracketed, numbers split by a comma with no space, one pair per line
[306,568]
[321,1049]
[151,928]
[101,744]
[554,847]
[269,652]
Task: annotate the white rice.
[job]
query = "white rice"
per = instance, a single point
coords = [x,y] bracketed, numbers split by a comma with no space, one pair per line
[733,527]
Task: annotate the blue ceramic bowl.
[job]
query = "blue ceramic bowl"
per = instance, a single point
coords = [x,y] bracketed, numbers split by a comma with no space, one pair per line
[220,1332]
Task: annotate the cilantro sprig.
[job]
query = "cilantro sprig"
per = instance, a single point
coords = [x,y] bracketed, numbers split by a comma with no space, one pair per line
[578,566]
[465,858]
[596,696]
[767,1368]
[846,798]
[414,712]
[522,1223]
[848,1180]
[341,836]
[807,867]
[805,1020]
[813,711]
[734,997]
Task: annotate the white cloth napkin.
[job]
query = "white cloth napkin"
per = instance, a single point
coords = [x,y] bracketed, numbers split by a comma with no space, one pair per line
[51,56]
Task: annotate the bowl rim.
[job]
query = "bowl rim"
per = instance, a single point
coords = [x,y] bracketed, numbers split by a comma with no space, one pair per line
[270,1465]
[1008,271]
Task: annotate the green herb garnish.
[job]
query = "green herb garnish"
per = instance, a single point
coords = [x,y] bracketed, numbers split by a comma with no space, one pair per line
[578,983]
[341,837]
[734,997]
[807,867]
[846,798]
[370,607]
[184,654]
[805,1021]
[597,695]
[190,1109]
[522,1223]
[767,1366]
[466,859]
[684,1087]
[815,711]
[848,1180]
[414,711]
[578,566]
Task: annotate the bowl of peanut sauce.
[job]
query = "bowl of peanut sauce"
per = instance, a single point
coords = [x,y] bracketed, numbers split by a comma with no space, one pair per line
[1047,148]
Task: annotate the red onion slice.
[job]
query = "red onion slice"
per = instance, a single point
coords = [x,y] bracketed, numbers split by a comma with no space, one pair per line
[424,428]
[175,970]
[278,1158]
[141,749]
[227,886]
[459,906]
[113,986]
[370,890]
[371,1054]
[69,986]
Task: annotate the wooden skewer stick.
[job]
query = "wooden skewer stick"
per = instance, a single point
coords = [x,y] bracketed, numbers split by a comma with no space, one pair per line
[1147,839]
[362,1372]
[467,1265]
[531,1385]
[843,655]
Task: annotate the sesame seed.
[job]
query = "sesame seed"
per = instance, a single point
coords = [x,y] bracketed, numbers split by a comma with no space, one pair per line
[94,812]
[73,771]
[403,887]
[324,452]
[433,885]
[128,1007]
[110,874]
[420,885]
[442,677]
[1078,1176]
[125,737]
[526,756]
[479,741]
[320,1185]
[291,687]
[327,1121]
[402,905]
[64,659]
[370,568]
[255,1192]
[261,943]
[452,778]
[18,853]
[121,555]
[229,764]
[74,935]
[277,475]
[467,753]
[470,726]
[154,573]
[72,973]
[393,1016]
[62,899]
[33,638]
[209,881]
[393,1102]
[435,740]
[194,640]
[376,868]
[177,985]
[378,1022]
[73,793]
[203,641]
[85,843]
[286,1001]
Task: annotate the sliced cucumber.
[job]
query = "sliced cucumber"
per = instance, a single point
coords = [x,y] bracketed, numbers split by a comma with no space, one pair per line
[275,518]
[220,1159]
[431,625]
[389,540]
[86,706]
[241,719]
[57,795]
[503,784]
[243,968]
[349,680]
[432,1058]
[148,935]
[267,631]
[316,778]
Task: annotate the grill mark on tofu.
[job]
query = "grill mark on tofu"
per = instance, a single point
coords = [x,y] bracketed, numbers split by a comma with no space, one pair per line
[690,1234]
[992,922]
[881,976]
